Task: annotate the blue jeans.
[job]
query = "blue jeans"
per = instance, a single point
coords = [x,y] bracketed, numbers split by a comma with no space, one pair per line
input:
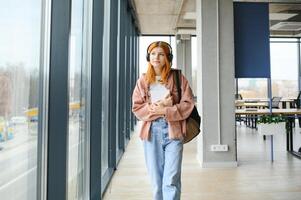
[163,158]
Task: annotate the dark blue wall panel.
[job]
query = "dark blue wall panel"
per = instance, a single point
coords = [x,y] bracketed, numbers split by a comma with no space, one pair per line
[251,37]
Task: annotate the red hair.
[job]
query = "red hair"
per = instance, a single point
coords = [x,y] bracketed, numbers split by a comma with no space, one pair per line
[150,74]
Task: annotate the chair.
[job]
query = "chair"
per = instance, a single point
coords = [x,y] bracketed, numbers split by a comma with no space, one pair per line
[297,101]
[275,102]
[238,97]
[297,104]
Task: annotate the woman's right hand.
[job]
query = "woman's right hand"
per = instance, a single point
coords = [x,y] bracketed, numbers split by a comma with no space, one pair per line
[166,102]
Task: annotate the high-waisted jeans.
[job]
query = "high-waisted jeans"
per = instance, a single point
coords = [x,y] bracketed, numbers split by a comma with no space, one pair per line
[163,158]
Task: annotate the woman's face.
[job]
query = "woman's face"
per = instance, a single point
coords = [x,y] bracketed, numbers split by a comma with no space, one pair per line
[157,58]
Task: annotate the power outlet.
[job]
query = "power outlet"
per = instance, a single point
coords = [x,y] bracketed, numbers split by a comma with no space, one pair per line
[219,147]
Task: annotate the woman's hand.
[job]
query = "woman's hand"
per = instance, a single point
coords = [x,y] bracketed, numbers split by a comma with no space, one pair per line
[157,109]
[166,102]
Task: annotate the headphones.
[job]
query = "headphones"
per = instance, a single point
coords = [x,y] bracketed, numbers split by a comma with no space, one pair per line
[169,56]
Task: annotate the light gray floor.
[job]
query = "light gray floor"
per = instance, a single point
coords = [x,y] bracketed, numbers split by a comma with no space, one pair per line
[256,177]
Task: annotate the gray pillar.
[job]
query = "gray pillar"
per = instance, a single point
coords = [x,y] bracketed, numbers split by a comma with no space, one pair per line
[184,55]
[216,86]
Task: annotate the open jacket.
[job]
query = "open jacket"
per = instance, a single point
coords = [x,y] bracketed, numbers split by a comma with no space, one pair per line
[176,115]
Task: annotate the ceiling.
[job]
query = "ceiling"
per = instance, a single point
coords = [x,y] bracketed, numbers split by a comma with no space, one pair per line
[170,17]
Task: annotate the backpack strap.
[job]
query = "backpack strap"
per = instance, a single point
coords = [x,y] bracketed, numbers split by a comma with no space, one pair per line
[176,77]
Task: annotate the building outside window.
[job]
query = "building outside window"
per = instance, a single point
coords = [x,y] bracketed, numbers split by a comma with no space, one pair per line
[284,72]
[20,27]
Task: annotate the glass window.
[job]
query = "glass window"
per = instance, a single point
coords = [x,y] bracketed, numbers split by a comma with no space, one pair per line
[20,25]
[119,144]
[253,87]
[284,72]
[77,168]
[284,67]
[105,91]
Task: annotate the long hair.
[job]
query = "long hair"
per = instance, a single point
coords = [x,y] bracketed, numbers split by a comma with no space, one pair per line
[150,73]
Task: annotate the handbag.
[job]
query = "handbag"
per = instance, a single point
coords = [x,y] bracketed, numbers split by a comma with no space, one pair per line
[193,122]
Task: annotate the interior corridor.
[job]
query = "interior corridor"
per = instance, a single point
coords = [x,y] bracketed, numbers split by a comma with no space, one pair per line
[256,178]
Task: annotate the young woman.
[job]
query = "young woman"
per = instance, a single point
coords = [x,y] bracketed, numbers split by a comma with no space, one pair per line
[156,103]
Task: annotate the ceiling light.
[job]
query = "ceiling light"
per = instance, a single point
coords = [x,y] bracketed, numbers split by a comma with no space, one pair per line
[286,26]
[281,16]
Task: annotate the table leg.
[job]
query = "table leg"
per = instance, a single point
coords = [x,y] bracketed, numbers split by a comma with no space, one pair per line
[272,149]
[291,133]
[290,139]
[287,136]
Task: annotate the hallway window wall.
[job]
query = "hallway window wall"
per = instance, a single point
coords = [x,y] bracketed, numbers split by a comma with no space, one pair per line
[78,100]
[119,65]
[20,25]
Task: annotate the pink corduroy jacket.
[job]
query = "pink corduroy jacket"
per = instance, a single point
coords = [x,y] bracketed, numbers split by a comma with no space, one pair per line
[176,115]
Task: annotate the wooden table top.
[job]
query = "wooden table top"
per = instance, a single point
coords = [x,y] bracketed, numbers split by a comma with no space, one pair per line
[257,100]
[245,104]
[292,111]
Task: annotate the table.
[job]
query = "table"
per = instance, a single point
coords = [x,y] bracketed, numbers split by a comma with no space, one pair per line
[251,105]
[262,102]
[289,113]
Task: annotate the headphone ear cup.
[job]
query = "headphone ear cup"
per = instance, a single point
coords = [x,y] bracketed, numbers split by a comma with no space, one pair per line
[170,57]
[147,57]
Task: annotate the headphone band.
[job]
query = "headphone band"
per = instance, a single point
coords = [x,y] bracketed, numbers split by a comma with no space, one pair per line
[169,56]
[158,42]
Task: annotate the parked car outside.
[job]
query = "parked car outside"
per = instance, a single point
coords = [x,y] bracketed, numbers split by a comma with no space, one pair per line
[18,120]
